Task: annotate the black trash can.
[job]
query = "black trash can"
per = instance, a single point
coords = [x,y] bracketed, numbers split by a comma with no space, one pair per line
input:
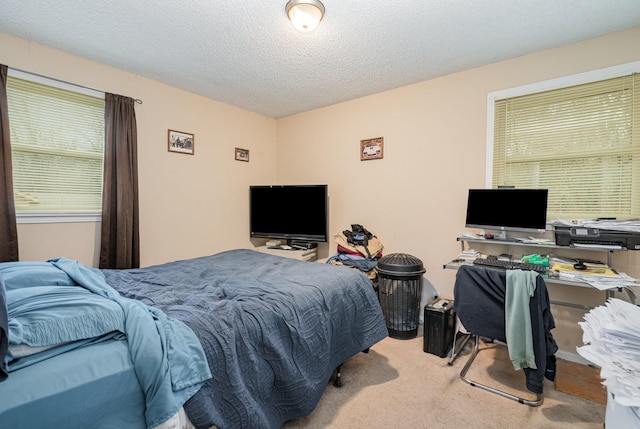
[399,291]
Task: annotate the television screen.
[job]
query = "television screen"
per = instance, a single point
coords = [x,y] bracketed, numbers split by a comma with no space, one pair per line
[507,209]
[291,212]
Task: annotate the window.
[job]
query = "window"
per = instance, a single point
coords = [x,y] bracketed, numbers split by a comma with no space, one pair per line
[581,141]
[57,144]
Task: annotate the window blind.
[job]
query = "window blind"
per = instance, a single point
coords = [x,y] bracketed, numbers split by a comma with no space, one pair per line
[57,143]
[581,142]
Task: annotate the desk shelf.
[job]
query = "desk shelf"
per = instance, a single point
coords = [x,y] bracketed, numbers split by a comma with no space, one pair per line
[455,264]
[496,241]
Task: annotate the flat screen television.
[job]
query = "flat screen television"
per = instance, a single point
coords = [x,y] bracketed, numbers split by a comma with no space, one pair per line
[296,213]
[523,210]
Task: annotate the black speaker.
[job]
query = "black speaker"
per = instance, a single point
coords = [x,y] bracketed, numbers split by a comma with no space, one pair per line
[439,327]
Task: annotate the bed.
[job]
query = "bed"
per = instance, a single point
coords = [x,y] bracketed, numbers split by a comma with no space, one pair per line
[243,338]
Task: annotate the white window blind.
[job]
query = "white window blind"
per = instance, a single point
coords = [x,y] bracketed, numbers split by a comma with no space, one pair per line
[580,142]
[57,143]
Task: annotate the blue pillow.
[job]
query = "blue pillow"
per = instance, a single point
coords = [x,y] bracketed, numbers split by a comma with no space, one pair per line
[45,315]
[28,274]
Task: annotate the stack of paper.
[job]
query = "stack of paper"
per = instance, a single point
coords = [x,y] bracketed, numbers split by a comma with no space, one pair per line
[616,225]
[469,255]
[534,240]
[611,334]
[596,275]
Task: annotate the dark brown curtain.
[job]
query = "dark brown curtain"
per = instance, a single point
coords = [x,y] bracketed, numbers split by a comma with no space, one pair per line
[120,241]
[8,227]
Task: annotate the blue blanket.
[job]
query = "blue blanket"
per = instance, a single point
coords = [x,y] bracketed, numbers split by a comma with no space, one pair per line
[4,331]
[168,361]
[274,329]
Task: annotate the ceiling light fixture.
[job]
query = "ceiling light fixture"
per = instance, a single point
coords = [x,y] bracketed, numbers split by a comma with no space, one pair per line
[305,15]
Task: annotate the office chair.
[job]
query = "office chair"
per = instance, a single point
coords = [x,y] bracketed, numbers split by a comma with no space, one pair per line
[480,295]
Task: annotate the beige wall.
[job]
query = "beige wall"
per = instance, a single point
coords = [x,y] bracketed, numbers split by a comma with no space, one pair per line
[189,205]
[434,151]
[414,199]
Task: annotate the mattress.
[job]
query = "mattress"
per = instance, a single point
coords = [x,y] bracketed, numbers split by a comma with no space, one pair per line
[107,377]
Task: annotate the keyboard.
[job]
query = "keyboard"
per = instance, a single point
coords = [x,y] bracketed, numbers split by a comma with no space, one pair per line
[509,265]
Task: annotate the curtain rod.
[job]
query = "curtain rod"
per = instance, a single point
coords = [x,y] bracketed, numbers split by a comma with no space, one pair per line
[136,100]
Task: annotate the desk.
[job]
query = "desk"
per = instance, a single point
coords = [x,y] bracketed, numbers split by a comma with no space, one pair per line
[459,343]
[549,278]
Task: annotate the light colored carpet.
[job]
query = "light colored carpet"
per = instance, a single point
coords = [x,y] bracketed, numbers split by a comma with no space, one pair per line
[397,385]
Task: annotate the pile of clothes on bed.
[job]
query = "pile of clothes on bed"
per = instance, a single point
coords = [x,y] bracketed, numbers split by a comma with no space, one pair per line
[359,249]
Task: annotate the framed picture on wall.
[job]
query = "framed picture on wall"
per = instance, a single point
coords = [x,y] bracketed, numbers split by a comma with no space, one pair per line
[371,149]
[181,142]
[242,154]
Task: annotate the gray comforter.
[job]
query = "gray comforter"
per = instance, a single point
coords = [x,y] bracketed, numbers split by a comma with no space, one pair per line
[273,329]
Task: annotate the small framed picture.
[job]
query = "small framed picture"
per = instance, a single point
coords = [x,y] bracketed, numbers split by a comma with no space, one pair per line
[242,154]
[181,142]
[371,149]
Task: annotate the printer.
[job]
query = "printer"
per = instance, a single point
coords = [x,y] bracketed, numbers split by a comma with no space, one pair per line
[567,235]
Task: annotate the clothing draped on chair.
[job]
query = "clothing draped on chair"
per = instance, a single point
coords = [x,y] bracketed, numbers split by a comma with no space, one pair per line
[8,227]
[479,302]
[120,242]
[520,287]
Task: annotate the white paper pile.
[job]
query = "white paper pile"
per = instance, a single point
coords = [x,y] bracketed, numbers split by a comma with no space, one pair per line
[469,254]
[616,225]
[611,334]
[601,282]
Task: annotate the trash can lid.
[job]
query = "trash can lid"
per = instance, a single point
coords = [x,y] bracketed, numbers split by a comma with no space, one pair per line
[400,263]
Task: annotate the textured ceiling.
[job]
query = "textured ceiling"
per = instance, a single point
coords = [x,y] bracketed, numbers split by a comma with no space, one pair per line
[247,54]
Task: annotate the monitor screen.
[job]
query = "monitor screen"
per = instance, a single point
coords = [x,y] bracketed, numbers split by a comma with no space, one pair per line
[507,209]
[291,212]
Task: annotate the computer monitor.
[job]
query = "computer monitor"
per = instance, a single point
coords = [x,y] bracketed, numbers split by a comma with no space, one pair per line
[523,210]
